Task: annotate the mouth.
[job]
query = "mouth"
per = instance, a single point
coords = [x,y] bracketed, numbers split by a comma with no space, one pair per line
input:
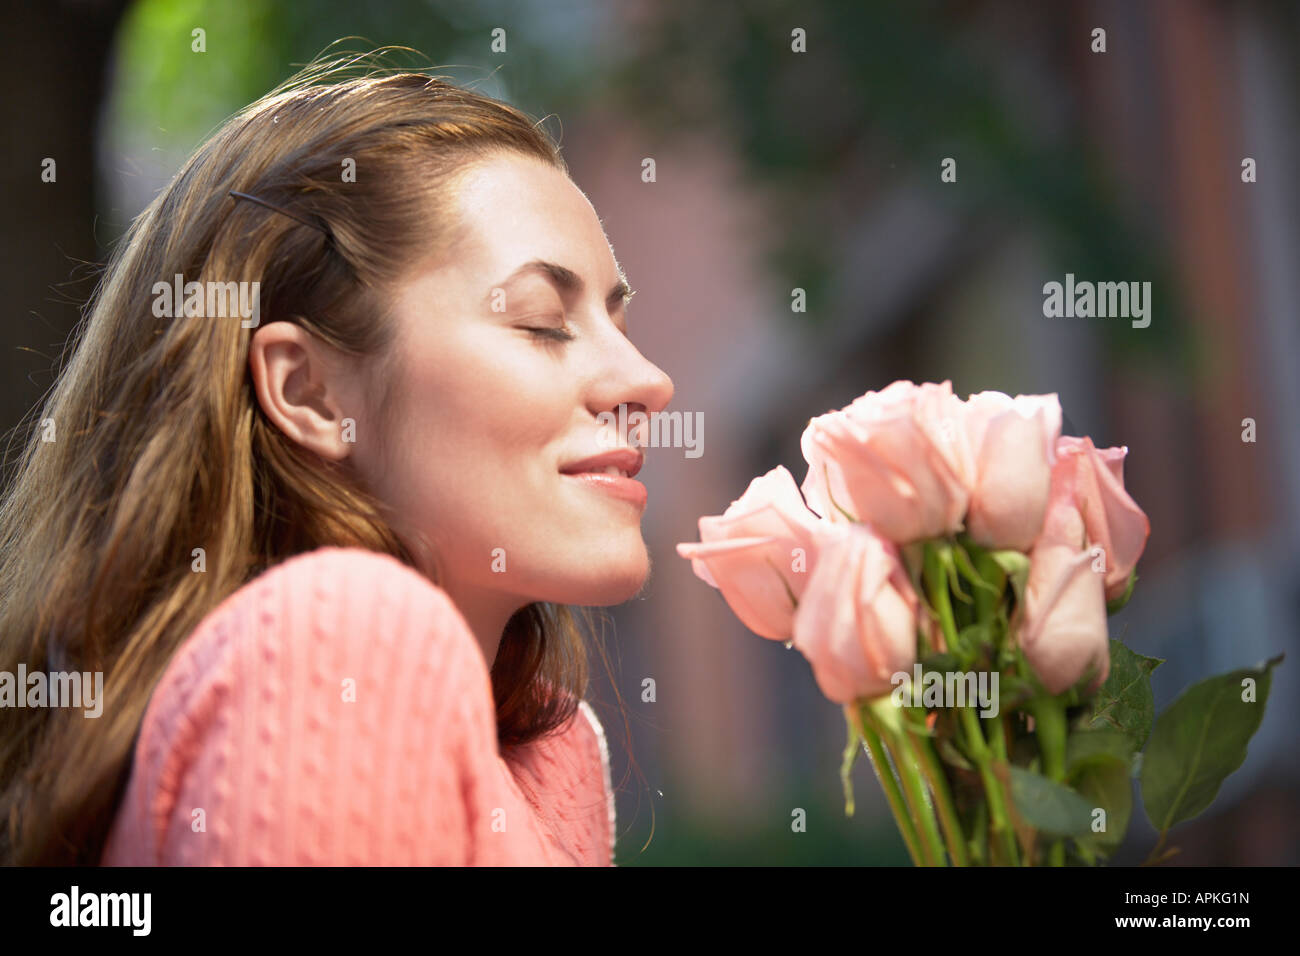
[625,462]
[611,474]
[607,470]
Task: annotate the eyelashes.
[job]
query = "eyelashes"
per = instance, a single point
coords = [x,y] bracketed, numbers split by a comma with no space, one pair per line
[551,333]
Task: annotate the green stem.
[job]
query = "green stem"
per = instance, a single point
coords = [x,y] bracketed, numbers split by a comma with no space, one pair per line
[986,601]
[936,586]
[1089,858]
[880,763]
[980,838]
[936,582]
[914,792]
[998,739]
[1050,729]
[1154,857]
[923,750]
[998,748]
[979,750]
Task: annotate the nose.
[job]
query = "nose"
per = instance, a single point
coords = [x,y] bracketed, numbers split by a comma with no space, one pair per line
[631,380]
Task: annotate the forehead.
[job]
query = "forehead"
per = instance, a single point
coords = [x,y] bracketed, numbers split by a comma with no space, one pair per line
[514,208]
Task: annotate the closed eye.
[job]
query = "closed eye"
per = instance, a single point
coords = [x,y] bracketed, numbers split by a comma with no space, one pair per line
[554,333]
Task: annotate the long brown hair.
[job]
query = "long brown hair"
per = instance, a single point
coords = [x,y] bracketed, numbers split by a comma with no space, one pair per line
[160,445]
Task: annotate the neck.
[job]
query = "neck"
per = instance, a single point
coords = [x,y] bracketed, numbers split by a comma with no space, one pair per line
[486,612]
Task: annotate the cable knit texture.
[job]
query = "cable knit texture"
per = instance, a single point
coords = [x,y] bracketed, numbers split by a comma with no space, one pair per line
[337,710]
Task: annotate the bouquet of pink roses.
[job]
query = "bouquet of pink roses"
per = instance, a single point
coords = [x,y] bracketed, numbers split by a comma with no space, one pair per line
[949,580]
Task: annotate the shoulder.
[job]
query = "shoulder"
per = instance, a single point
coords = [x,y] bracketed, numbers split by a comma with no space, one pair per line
[336,621]
[567,775]
[325,589]
[307,717]
[334,605]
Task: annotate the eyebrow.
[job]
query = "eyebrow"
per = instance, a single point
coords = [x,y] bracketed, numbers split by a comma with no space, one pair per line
[566,280]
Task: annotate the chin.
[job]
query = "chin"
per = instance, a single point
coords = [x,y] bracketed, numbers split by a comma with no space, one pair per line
[616,592]
[612,580]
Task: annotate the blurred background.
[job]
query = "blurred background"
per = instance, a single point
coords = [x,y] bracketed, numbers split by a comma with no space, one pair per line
[779,169]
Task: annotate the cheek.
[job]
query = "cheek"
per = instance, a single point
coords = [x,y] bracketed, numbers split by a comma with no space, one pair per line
[482,413]
[473,448]
[474,434]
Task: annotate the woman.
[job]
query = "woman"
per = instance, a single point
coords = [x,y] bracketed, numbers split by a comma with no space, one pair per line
[318,518]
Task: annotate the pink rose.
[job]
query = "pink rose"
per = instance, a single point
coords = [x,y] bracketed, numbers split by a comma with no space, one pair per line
[758,553]
[897,459]
[856,621]
[1014,443]
[1063,626]
[1093,480]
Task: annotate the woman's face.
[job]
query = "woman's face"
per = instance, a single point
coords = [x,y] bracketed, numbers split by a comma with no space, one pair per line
[489,416]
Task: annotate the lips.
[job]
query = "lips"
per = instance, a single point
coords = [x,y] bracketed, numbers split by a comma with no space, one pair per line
[621,461]
[611,475]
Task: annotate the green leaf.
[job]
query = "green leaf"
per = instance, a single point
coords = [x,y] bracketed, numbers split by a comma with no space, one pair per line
[941,662]
[1124,702]
[968,571]
[1087,745]
[846,765]
[887,718]
[951,755]
[1013,692]
[1098,766]
[1119,602]
[1051,807]
[949,566]
[973,639]
[1016,566]
[1199,741]
[1102,779]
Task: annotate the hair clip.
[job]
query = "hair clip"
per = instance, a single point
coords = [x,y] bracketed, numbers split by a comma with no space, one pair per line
[306,222]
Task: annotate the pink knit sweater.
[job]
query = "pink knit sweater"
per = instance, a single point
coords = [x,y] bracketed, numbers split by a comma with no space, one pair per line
[337,710]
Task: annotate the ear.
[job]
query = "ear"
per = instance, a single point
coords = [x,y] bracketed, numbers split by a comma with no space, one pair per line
[302,387]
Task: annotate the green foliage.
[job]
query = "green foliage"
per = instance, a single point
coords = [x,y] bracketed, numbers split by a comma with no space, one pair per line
[1199,741]
[1083,750]
[1125,702]
[1103,780]
[1116,605]
[883,93]
[167,98]
[1099,763]
[1050,807]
